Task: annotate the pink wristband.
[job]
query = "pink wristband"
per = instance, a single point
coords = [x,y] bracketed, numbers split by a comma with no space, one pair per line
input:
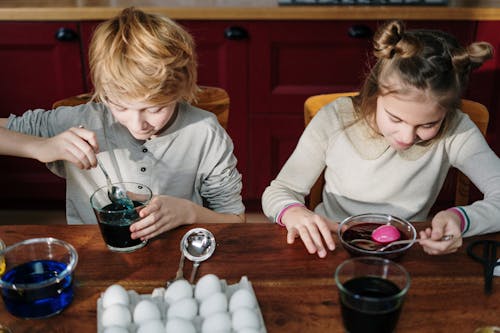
[460,215]
[280,215]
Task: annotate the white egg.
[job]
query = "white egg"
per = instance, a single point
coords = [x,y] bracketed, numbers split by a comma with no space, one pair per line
[116,315]
[245,318]
[158,293]
[178,290]
[115,329]
[207,285]
[217,323]
[145,311]
[242,298]
[115,294]
[186,308]
[152,326]
[216,302]
[179,325]
[248,330]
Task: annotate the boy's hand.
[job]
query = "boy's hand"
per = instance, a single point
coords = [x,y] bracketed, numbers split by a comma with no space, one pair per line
[163,213]
[76,145]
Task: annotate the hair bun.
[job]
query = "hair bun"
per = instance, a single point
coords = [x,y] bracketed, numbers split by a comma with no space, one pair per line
[390,39]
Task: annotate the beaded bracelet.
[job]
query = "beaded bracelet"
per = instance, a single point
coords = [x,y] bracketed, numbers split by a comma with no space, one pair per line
[280,215]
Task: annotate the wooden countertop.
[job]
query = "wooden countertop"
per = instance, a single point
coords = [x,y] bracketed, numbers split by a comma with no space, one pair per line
[56,10]
[295,290]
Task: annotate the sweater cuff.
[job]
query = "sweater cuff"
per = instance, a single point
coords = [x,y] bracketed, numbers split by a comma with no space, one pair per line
[284,209]
[464,218]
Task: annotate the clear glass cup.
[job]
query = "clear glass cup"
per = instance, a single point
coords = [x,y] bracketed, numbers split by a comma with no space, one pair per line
[115,220]
[371,292]
[38,277]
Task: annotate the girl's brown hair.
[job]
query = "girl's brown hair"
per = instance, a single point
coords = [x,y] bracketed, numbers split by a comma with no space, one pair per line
[142,56]
[428,60]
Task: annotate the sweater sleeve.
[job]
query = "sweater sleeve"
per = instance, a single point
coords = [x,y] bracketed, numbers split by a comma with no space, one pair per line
[471,154]
[304,166]
[222,183]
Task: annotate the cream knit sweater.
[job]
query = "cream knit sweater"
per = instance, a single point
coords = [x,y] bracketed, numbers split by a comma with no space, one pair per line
[365,175]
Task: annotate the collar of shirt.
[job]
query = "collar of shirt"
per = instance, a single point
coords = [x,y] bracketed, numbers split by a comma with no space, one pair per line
[369,144]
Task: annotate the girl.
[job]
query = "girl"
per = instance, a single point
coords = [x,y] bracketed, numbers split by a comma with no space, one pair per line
[389,149]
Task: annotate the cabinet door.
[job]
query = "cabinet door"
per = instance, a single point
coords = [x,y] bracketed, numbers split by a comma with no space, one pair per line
[222,49]
[37,69]
[485,82]
[292,60]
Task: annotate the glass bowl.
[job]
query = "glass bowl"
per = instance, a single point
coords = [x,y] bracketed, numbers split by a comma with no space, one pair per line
[361,227]
[38,277]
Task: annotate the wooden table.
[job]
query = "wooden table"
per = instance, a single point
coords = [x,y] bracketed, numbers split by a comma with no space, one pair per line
[295,290]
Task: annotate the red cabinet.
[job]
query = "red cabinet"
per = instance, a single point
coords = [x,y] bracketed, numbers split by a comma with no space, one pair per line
[485,82]
[292,60]
[40,63]
[223,51]
[269,68]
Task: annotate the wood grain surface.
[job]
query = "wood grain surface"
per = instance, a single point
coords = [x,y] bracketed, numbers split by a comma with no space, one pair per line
[69,10]
[295,290]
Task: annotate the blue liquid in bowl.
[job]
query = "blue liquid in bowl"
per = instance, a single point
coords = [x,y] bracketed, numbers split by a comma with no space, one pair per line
[30,302]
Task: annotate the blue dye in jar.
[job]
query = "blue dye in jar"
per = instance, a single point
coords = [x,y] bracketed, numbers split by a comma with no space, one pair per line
[30,301]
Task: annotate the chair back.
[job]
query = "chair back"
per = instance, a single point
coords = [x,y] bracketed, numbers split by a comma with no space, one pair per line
[477,112]
[213,99]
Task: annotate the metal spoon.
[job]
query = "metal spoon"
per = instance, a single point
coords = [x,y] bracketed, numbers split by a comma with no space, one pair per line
[115,193]
[369,244]
[197,245]
[180,271]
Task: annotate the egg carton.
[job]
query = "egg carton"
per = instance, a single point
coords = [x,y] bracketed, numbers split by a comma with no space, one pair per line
[157,297]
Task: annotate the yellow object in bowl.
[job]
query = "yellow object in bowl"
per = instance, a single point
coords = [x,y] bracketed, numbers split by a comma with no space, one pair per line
[2,259]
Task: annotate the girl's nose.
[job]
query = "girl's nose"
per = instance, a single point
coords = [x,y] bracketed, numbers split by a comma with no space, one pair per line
[408,135]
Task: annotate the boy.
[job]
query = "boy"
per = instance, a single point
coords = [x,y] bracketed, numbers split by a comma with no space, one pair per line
[141,128]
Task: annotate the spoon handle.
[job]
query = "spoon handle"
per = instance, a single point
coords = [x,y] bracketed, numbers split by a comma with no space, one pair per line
[180,270]
[408,241]
[108,180]
[194,271]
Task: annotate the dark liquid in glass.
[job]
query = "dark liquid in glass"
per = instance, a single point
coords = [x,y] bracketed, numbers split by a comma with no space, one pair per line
[383,320]
[39,303]
[364,231]
[114,222]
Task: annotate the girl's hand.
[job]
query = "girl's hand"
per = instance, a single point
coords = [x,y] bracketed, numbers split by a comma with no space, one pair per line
[76,145]
[163,213]
[444,223]
[314,230]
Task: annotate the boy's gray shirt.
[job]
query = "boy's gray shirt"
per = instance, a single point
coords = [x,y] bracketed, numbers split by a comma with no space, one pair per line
[192,159]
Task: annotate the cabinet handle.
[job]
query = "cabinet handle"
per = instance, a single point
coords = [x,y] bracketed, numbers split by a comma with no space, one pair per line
[360,31]
[235,33]
[66,35]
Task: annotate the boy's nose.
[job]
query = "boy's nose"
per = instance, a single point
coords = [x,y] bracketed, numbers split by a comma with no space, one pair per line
[137,122]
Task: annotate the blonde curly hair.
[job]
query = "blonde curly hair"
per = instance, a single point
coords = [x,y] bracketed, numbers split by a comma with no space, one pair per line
[143,57]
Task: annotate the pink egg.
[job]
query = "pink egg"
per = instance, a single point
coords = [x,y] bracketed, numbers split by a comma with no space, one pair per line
[386,234]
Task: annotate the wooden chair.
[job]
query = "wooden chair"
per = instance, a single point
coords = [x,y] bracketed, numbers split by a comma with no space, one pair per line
[476,111]
[213,99]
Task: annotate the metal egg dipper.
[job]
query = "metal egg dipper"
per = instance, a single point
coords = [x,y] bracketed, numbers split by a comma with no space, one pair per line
[197,245]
